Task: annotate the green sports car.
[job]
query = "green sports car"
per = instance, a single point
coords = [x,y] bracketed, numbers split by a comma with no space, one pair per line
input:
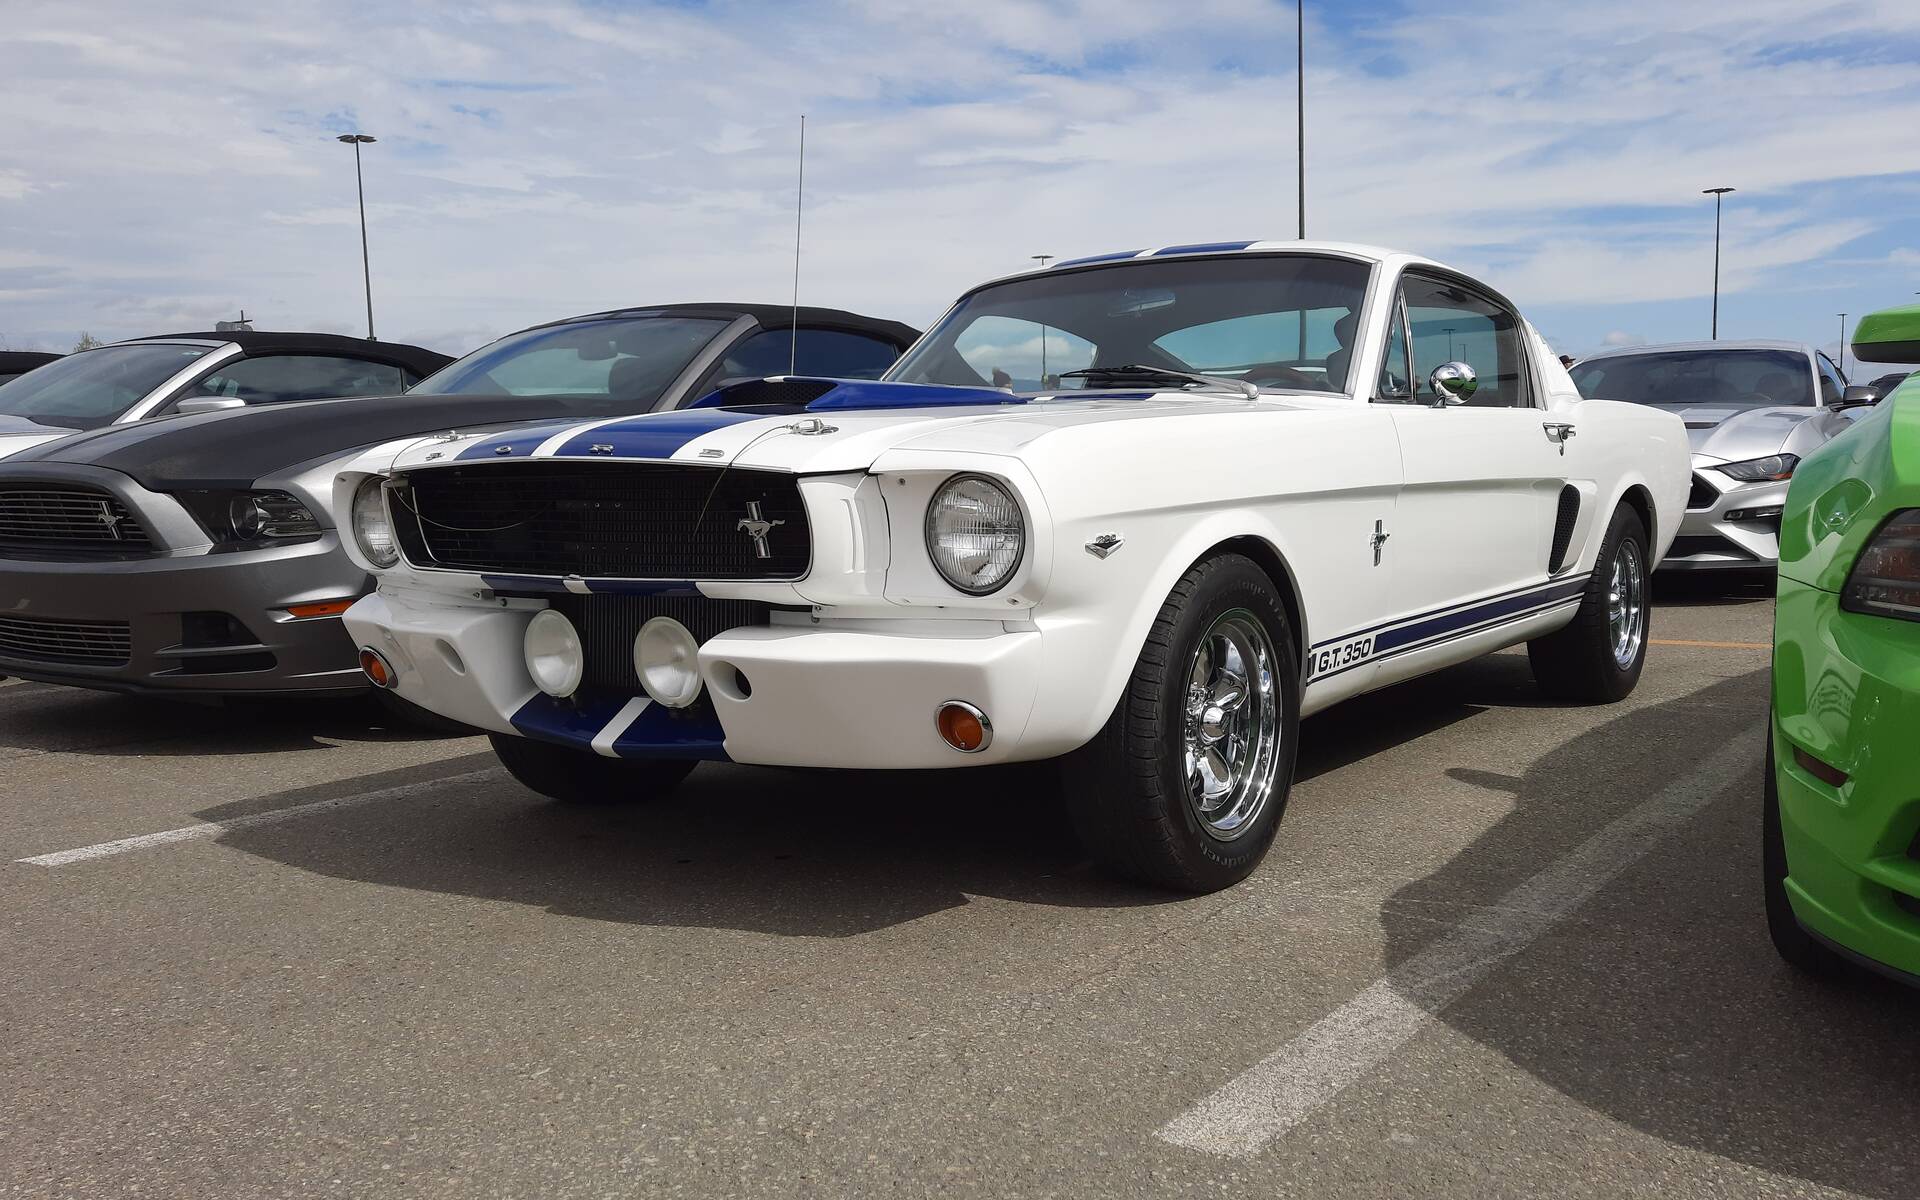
[1842,801]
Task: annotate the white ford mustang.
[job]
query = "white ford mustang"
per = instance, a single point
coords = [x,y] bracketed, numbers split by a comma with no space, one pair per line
[1140,512]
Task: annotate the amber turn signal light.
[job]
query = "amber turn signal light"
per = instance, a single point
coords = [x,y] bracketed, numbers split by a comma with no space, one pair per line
[378,670]
[963,727]
[325,608]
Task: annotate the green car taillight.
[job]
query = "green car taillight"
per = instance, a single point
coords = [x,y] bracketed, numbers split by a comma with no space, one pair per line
[1885,580]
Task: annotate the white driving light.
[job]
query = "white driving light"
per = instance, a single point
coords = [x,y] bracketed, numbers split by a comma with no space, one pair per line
[372,531]
[975,533]
[667,658]
[554,657]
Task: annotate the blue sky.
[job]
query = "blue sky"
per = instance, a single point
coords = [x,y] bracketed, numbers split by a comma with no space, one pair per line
[166,164]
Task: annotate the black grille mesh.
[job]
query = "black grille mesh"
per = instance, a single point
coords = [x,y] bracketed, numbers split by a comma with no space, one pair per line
[1563,522]
[1702,495]
[51,516]
[1705,543]
[609,624]
[604,520]
[94,643]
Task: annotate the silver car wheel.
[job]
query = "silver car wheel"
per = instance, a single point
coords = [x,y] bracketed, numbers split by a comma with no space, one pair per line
[1232,725]
[1627,604]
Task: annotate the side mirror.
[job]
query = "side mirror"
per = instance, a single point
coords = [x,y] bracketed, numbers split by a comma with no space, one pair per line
[1453,383]
[1858,396]
[200,404]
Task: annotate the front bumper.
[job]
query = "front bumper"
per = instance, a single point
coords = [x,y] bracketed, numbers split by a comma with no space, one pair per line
[1847,692]
[1721,534]
[848,694]
[167,608]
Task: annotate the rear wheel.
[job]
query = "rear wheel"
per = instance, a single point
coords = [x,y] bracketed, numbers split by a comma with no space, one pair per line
[1795,944]
[583,777]
[1597,657]
[1185,786]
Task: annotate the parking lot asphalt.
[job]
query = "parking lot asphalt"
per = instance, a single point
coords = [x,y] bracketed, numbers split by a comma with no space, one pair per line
[1501,948]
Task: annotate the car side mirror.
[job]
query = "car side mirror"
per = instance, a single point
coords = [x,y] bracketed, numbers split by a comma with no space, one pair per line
[1858,396]
[200,404]
[1453,383]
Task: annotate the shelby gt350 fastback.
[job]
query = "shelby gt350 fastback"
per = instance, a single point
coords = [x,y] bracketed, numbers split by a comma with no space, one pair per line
[1140,512]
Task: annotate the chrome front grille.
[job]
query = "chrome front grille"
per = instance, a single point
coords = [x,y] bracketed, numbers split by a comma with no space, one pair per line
[53,516]
[604,520]
[92,643]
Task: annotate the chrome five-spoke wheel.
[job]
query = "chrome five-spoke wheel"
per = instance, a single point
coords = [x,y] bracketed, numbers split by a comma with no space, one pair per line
[1627,604]
[1232,724]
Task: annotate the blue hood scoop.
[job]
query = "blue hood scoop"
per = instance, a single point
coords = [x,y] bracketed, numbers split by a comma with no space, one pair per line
[849,395]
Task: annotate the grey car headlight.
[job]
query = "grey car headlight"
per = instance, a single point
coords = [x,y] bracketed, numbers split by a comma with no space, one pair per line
[244,520]
[372,529]
[1757,470]
[975,533]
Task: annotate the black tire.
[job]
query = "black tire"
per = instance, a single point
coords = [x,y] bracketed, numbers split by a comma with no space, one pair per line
[1798,947]
[1127,790]
[583,777]
[1578,662]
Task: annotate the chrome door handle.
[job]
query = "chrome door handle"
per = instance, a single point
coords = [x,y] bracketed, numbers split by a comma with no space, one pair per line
[1558,432]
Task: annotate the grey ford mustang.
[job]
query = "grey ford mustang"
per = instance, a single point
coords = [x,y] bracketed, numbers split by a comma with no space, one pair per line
[1753,410]
[197,554]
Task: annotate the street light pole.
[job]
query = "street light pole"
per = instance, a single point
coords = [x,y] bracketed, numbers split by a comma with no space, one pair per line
[1716,193]
[1843,346]
[357,140]
[1300,103]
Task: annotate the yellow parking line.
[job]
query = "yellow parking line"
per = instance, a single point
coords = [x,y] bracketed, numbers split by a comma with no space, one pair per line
[1713,645]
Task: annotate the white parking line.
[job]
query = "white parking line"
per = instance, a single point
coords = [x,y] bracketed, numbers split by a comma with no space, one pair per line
[188,833]
[1283,1089]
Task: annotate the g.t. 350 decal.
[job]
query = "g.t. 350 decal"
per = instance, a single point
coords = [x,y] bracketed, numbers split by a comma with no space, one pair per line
[1319,662]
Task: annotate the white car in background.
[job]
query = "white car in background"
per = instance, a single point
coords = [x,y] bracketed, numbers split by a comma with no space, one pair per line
[1753,409]
[1221,487]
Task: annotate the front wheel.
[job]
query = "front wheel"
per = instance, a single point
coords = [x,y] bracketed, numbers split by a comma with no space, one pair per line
[583,777]
[1185,785]
[1597,657]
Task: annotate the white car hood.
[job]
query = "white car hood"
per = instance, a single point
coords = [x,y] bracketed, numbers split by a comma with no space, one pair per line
[824,439]
[18,433]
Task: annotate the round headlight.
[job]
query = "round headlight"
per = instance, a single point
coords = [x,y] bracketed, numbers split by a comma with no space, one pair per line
[554,657]
[247,517]
[975,533]
[667,659]
[371,528]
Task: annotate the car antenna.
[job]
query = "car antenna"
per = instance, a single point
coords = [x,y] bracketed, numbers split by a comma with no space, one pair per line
[799,196]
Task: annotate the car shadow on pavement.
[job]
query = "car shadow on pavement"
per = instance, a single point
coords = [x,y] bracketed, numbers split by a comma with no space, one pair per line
[47,718]
[1693,589]
[1660,1002]
[784,852]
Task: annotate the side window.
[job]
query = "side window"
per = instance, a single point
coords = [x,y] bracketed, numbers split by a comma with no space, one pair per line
[1450,323]
[1833,385]
[280,378]
[1395,384]
[831,353]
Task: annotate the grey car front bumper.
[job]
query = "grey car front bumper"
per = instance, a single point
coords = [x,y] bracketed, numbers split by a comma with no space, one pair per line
[1728,525]
[181,619]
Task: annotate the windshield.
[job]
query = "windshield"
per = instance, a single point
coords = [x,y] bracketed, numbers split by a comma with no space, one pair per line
[631,359]
[1682,378]
[94,387]
[1280,321]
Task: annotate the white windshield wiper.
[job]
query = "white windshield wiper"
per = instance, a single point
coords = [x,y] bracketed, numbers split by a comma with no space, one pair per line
[1139,371]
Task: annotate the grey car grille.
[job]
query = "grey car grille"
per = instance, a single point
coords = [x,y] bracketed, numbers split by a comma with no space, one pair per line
[50,516]
[93,643]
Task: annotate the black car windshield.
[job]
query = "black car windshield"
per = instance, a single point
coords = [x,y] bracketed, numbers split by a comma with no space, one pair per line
[629,359]
[94,387]
[1681,378]
[1279,321]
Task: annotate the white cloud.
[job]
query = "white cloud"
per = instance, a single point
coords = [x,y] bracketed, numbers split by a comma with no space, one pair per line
[174,163]
[1620,337]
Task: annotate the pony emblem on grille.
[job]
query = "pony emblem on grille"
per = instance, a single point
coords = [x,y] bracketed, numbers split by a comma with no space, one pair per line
[757,527]
[111,519]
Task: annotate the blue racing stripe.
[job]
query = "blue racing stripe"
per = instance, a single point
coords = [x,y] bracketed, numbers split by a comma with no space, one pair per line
[659,732]
[1201,248]
[1423,633]
[655,435]
[519,442]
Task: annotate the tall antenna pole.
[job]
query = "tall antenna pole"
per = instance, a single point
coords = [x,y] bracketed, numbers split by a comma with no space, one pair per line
[1716,193]
[1843,345]
[799,197]
[1300,102]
